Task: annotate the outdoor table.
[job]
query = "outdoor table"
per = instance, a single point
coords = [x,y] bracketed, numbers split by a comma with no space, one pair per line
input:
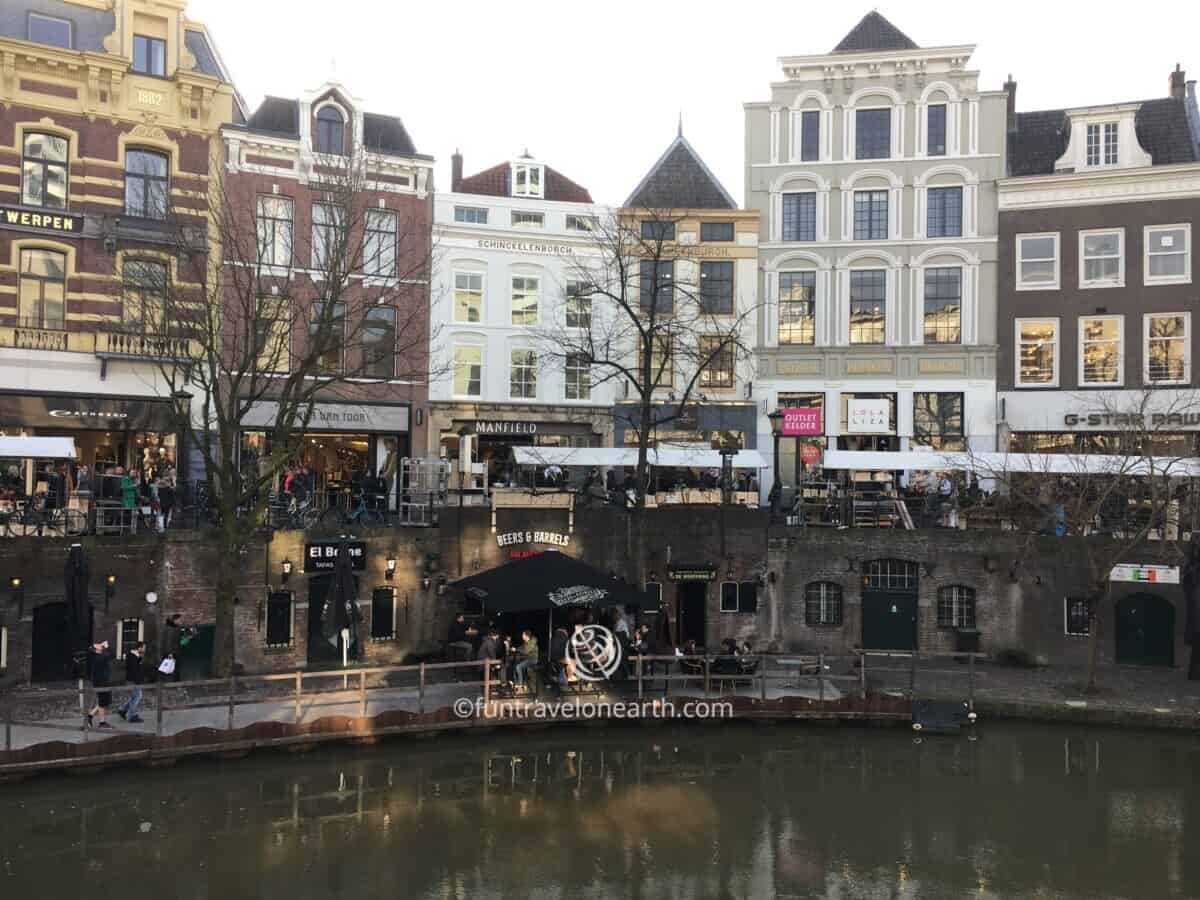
[796,663]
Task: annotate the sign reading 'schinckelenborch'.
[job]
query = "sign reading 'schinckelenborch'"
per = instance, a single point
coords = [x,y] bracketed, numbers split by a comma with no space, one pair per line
[55,222]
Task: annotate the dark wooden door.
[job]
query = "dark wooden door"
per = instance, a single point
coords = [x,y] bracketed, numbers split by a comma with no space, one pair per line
[1146,631]
[889,620]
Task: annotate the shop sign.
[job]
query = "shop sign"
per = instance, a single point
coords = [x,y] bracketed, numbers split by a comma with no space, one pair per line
[692,573]
[1146,421]
[86,412]
[1145,574]
[501,426]
[810,454]
[55,223]
[333,417]
[554,538]
[803,422]
[525,246]
[577,595]
[321,556]
[868,417]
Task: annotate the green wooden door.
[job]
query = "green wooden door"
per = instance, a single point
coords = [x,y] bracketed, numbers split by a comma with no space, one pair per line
[1146,631]
[889,620]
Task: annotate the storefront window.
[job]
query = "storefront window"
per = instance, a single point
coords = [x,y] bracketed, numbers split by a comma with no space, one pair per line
[938,421]
[379,342]
[143,291]
[43,288]
[327,333]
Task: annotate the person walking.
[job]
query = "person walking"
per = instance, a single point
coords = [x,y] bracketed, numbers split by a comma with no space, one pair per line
[135,675]
[100,660]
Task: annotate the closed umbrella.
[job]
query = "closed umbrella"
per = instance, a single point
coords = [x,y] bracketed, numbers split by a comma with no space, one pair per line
[79,611]
[340,610]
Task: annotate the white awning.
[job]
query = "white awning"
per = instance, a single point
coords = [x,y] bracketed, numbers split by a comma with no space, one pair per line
[991,465]
[590,457]
[37,447]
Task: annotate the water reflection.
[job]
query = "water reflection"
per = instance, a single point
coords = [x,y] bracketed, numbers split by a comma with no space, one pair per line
[730,812]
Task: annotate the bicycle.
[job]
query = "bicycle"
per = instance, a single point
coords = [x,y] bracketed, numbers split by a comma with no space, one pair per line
[301,514]
[368,516]
[57,522]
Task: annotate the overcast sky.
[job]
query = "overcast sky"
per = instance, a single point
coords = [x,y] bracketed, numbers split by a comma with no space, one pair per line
[595,88]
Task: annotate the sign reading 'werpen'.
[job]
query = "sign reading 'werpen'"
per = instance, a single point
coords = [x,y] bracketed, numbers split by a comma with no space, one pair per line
[56,223]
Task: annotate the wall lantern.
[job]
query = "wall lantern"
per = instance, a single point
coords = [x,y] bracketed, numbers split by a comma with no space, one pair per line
[285,571]
[18,594]
[151,597]
[110,590]
[425,582]
[389,568]
[441,585]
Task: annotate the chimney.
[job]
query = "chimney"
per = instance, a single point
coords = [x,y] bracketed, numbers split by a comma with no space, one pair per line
[1010,88]
[455,171]
[1178,84]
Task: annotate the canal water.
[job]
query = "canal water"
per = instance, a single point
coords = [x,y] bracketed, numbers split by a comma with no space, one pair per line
[739,811]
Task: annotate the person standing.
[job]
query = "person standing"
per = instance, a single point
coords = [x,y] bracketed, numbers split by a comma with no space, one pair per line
[135,675]
[458,639]
[558,656]
[100,659]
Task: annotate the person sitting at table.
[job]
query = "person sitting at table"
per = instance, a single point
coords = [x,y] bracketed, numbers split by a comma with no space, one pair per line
[527,657]
[458,640]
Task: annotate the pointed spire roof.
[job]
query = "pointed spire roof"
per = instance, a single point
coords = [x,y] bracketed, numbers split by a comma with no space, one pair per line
[874,32]
[680,180]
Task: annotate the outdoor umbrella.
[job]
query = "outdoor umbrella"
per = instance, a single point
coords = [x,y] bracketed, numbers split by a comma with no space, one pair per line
[79,613]
[549,581]
[340,611]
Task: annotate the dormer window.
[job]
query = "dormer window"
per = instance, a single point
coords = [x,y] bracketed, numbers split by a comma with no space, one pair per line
[1102,144]
[331,131]
[50,30]
[527,180]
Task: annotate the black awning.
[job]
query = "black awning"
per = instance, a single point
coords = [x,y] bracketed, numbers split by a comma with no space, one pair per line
[550,580]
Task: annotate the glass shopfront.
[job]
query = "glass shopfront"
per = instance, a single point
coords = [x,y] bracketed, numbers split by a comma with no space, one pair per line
[494,440]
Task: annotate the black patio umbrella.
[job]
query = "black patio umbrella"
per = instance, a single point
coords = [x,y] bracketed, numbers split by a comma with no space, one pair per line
[79,612]
[340,610]
[549,581]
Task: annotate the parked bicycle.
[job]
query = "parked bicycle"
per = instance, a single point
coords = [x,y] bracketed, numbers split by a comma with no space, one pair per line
[367,512]
[33,518]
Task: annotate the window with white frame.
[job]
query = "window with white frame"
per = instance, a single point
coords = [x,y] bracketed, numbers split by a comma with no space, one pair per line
[328,234]
[1168,254]
[822,603]
[526,294]
[935,142]
[275,230]
[956,607]
[582,223]
[527,180]
[810,135]
[1102,258]
[1037,352]
[868,306]
[468,296]
[944,212]
[1168,348]
[1077,615]
[873,134]
[468,370]
[1100,350]
[797,307]
[44,29]
[578,306]
[379,248]
[1102,140]
[533,220]
[578,384]
[943,305]
[1037,262]
[471,215]
[3,647]
[799,216]
[870,215]
[522,374]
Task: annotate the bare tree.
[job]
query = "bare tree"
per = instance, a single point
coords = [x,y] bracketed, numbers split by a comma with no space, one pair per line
[638,316]
[1114,490]
[266,322]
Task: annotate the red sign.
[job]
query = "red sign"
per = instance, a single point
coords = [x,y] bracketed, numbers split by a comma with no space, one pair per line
[810,454]
[803,422]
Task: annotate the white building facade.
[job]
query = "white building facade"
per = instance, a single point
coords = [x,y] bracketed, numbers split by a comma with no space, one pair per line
[507,242]
[874,167]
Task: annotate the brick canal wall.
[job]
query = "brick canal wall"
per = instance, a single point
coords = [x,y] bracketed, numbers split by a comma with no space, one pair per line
[1020,583]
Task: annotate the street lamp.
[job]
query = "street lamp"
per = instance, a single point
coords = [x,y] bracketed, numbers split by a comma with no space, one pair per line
[776,419]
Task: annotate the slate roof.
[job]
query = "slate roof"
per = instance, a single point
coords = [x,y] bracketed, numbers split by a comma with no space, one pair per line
[206,60]
[1042,137]
[680,180]
[493,182]
[89,26]
[874,32]
[381,134]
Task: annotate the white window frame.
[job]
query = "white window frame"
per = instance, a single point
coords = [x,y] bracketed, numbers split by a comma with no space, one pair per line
[511,351]
[567,369]
[529,226]
[482,297]
[1186,277]
[537,311]
[590,223]
[527,168]
[1067,617]
[1039,286]
[1187,349]
[47,17]
[1083,382]
[454,368]
[1102,130]
[1017,382]
[3,647]
[1084,284]
[120,641]
[474,209]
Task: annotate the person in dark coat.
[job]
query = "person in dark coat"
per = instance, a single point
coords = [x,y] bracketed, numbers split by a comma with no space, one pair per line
[100,662]
[134,674]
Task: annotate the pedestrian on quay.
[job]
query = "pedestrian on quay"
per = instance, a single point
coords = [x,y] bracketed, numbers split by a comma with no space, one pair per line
[100,663]
[135,675]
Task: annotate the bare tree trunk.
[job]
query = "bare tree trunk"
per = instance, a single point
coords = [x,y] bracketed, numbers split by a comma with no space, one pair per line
[223,638]
[1094,620]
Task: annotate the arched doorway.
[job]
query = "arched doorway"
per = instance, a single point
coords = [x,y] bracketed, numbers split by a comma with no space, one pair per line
[1145,630]
[889,604]
[51,660]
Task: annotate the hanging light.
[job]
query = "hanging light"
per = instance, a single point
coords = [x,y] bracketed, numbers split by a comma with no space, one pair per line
[389,570]
[285,571]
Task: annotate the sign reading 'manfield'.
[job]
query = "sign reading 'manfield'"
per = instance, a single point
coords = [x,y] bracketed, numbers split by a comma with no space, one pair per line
[58,223]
